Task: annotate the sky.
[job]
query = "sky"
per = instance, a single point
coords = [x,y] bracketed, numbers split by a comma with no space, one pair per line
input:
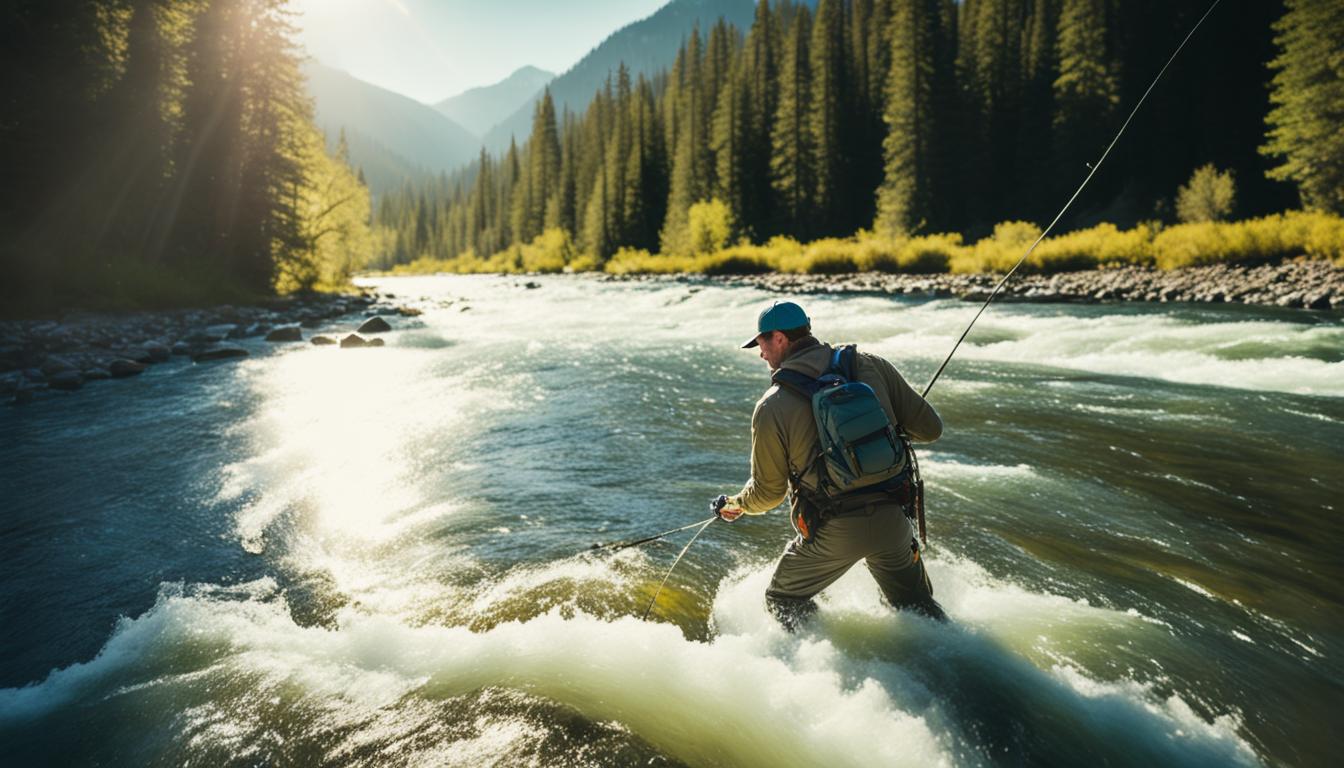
[432,49]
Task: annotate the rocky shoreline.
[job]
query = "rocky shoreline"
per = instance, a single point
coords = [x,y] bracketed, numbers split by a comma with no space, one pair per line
[1304,284]
[81,347]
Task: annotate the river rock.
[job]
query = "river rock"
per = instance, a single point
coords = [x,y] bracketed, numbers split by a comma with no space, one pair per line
[11,358]
[311,322]
[66,380]
[374,324]
[156,352]
[55,364]
[218,353]
[286,333]
[323,341]
[353,340]
[121,368]
[374,343]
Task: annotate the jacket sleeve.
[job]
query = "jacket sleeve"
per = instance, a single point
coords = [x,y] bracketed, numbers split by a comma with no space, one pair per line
[769,480]
[913,412]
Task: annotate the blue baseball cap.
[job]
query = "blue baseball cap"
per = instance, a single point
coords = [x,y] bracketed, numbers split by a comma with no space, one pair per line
[779,316]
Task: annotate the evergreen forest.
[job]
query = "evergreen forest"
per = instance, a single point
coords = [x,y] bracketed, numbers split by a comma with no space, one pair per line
[163,152]
[898,118]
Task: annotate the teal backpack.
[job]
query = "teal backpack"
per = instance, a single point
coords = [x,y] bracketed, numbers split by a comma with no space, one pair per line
[860,450]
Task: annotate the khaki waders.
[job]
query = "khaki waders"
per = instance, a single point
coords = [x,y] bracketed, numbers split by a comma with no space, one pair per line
[881,536]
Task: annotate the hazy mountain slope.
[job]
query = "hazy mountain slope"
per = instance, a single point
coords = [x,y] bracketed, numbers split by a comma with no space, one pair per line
[409,131]
[645,46]
[480,109]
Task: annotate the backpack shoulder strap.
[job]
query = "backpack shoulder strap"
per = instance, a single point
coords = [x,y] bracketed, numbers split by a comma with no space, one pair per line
[843,362]
[800,383]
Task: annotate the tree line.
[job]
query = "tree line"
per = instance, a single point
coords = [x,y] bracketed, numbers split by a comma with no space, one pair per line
[906,117]
[158,151]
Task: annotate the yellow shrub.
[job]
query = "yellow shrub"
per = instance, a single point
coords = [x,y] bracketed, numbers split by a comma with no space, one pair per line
[1102,245]
[998,252]
[548,252]
[830,256]
[710,226]
[929,253]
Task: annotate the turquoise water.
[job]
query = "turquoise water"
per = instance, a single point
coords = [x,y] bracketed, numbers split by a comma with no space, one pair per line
[380,557]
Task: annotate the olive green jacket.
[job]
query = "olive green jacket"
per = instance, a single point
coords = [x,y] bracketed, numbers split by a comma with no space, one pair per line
[784,432]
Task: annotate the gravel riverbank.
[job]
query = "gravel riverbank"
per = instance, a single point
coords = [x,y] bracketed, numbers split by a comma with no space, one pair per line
[80,347]
[1307,284]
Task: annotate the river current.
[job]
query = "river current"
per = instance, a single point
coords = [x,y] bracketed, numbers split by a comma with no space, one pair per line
[319,556]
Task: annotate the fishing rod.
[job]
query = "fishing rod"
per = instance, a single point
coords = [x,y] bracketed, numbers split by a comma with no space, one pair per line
[615,545]
[1079,191]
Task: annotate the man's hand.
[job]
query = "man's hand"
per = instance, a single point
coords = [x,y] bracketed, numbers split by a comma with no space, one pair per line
[730,509]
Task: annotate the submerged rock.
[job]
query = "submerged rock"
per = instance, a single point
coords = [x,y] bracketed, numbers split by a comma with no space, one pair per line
[374,325]
[66,380]
[122,368]
[156,352]
[322,341]
[218,353]
[353,340]
[286,333]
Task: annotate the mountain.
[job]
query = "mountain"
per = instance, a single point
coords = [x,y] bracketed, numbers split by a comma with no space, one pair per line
[646,46]
[479,109]
[390,135]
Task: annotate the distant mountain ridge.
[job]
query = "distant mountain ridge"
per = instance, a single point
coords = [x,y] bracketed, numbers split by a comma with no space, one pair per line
[480,109]
[646,46]
[390,135]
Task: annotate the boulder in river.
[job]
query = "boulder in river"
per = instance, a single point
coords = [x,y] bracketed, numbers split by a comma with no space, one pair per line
[286,333]
[157,353]
[374,343]
[122,368]
[374,324]
[55,364]
[353,340]
[323,341]
[66,380]
[218,353]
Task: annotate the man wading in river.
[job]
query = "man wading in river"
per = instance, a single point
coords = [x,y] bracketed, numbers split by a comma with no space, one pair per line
[849,498]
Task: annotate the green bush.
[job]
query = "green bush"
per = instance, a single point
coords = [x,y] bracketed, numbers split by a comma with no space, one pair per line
[1208,196]
[710,226]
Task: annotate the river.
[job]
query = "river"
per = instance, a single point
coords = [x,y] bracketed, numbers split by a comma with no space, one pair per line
[381,556]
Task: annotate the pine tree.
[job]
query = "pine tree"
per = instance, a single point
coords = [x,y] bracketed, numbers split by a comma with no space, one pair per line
[825,108]
[1306,124]
[1087,89]
[690,182]
[791,158]
[908,195]
[761,87]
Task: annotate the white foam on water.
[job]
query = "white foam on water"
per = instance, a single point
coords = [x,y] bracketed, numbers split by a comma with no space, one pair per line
[853,689]
[1155,346]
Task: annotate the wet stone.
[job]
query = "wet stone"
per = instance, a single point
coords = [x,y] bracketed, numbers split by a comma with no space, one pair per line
[122,368]
[286,333]
[219,353]
[374,325]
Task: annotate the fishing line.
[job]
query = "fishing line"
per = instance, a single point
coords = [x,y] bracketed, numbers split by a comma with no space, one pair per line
[659,591]
[615,545]
[1090,174]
